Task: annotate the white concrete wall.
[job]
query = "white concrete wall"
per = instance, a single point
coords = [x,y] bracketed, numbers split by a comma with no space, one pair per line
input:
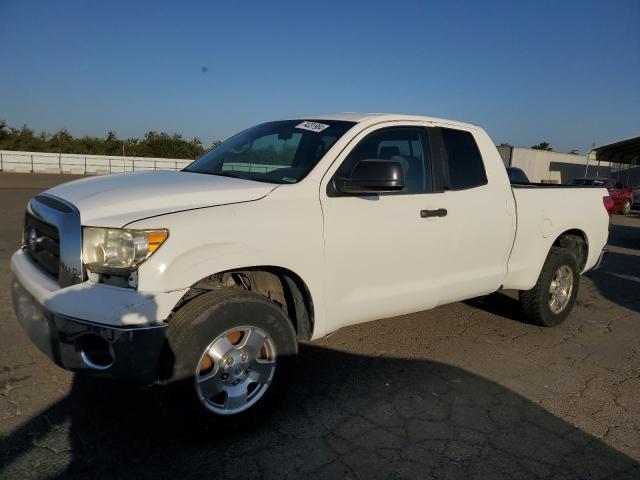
[14,161]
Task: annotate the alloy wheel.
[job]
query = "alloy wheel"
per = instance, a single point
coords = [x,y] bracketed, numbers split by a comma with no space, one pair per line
[235,370]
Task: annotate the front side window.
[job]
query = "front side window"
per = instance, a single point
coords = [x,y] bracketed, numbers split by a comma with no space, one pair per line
[466,168]
[274,152]
[405,145]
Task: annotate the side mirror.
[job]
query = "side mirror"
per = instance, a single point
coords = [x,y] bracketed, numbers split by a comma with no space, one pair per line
[373,176]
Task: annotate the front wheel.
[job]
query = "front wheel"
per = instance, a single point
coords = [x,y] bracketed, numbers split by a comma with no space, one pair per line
[626,208]
[550,301]
[233,354]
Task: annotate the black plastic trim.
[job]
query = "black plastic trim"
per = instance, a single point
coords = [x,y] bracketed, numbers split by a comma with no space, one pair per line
[440,212]
[438,160]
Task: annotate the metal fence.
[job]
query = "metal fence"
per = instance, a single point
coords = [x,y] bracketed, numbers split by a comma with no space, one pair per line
[39,162]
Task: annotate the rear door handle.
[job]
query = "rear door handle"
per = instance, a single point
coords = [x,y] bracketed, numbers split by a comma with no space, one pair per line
[440,212]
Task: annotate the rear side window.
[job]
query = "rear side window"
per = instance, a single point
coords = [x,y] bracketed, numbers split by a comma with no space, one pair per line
[516,175]
[466,169]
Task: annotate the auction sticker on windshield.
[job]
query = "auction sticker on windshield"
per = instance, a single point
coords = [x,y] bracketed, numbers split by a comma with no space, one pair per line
[312,126]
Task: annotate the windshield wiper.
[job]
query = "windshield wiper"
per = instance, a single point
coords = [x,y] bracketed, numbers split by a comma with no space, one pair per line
[227,174]
[241,177]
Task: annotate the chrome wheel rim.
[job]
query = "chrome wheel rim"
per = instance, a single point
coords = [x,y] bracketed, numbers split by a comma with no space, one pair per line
[561,289]
[235,370]
[627,207]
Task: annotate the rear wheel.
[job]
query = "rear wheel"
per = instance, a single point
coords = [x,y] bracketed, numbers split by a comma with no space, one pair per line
[626,208]
[233,354]
[550,301]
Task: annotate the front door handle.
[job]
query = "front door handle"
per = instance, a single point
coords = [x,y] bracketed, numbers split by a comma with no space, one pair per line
[440,212]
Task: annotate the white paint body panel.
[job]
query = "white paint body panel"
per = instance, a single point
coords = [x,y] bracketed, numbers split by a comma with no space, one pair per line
[115,200]
[542,218]
[361,259]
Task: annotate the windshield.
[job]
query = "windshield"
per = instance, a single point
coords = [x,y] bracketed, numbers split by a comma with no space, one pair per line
[274,152]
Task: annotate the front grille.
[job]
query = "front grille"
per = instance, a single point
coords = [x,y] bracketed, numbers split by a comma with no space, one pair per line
[42,243]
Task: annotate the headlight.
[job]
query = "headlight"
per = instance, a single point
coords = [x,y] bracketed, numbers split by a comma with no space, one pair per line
[118,251]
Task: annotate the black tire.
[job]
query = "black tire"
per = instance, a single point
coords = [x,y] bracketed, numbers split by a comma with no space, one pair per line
[196,324]
[535,302]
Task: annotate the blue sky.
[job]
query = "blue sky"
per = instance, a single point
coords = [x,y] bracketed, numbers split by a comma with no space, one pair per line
[567,72]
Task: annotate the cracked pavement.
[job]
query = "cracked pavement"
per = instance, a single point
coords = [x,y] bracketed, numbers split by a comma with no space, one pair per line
[467,390]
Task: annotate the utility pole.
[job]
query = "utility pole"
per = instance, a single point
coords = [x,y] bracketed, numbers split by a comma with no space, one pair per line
[588,157]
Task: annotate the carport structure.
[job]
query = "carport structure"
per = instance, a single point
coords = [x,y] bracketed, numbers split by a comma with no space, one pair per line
[624,157]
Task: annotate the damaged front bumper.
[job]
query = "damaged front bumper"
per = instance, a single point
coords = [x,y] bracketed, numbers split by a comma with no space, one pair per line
[112,331]
[127,353]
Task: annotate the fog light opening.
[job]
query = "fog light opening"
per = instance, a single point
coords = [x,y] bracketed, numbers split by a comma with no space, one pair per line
[95,352]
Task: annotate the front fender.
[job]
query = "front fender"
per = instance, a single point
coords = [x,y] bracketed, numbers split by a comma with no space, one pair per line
[276,232]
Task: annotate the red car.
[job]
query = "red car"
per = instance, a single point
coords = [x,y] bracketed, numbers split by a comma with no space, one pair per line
[622,196]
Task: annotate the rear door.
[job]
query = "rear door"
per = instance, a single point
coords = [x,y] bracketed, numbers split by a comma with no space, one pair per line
[480,214]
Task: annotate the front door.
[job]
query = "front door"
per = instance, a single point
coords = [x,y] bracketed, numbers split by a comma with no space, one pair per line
[385,253]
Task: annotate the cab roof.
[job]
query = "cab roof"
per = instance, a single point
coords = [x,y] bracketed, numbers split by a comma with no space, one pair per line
[359,117]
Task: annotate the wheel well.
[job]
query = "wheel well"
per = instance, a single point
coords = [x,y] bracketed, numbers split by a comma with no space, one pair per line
[576,241]
[280,285]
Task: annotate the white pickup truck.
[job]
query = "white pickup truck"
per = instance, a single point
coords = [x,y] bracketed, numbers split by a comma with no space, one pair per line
[208,278]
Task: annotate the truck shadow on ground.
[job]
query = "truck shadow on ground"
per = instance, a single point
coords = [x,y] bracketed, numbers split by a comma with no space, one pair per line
[503,303]
[347,416]
[618,280]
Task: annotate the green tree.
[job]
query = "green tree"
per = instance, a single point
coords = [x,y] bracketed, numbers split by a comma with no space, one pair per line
[4,131]
[112,145]
[543,146]
[61,142]
[153,144]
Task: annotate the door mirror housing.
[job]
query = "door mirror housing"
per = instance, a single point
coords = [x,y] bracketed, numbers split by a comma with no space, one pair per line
[373,176]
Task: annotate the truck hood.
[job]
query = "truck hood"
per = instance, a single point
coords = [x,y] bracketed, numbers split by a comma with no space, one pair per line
[118,199]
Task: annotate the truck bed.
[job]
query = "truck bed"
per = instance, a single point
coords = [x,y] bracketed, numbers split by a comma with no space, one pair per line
[544,212]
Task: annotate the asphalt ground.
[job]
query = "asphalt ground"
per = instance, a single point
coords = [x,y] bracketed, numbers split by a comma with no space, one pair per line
[468,390]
